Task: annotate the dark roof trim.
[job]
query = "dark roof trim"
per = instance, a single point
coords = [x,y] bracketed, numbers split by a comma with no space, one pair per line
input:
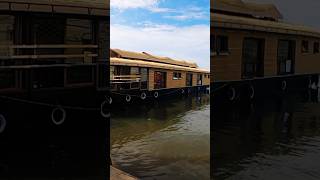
[246,9]
[98,9]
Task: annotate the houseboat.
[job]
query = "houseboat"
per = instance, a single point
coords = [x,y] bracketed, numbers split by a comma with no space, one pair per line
[254,52]
[141,76]
[54,72]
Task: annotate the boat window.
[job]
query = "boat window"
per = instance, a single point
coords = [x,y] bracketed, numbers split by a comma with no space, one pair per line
[219,45]
[144,74]
[79,32]
[144,78]
[252,58]
[45,30]
[222,45]
[176,76]
[134,71]
[286,56]
[199,79]
[112,71]
[135,76]
[6,34]
[122,70]
[316,48]
[305,46]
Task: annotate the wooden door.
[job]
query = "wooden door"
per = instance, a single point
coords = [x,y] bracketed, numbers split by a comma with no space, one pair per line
[189,79]
[159,80]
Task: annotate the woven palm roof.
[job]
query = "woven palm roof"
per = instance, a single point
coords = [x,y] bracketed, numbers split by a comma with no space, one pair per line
[151,58]
[96,7]
[238,22]
[246,8]
[150,64]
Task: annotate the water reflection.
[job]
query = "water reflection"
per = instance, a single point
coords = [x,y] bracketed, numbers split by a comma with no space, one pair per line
[163,140]
[273,138]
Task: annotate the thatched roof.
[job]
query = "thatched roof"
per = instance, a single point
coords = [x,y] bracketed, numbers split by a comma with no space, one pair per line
[245,8]
[151,58]
[143,63]
[91,7]
[245,23]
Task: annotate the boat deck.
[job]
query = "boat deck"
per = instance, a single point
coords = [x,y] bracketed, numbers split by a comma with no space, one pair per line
[116,174]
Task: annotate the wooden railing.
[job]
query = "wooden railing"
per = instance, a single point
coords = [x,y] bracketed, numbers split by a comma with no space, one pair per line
[119,82]
[134,78]
[87,55]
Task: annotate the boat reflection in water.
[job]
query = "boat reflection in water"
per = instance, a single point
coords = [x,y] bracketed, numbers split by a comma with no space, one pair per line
[163,140]
[271,138]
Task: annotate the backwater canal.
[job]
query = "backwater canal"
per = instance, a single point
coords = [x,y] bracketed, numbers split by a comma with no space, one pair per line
[273,138]
[163,140]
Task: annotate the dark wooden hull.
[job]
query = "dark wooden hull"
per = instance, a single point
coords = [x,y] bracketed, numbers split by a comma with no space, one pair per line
[254,89]
[127,97]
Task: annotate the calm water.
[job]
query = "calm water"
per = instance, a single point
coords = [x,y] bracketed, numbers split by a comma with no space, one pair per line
[166,140]
[275,138]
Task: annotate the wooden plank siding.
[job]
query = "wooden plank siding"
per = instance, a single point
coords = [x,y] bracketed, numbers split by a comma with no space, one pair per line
[307,62]
[229,67]
[178,83]
[206,80]
[151,79]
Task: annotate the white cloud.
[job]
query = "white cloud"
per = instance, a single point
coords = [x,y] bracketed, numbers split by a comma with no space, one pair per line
[186,16]
[189,13]
[153,6]
[127,4]
[187,43]
[160,10]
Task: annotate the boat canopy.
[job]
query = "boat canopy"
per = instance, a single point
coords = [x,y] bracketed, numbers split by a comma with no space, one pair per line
[149,57]
[235,22]
[256,10]
[149,64]
[82,7]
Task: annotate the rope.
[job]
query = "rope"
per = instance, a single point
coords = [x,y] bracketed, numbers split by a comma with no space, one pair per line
[122,94]
[81,108]
[221,87]
[49,105]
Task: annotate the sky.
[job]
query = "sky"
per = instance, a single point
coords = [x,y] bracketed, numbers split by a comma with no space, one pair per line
[178,29]
[305,12]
